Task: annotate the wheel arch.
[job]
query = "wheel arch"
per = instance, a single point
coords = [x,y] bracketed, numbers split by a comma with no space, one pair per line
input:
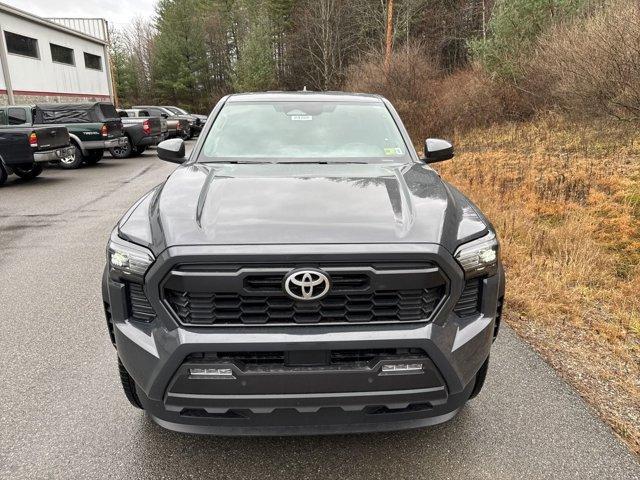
[74,138]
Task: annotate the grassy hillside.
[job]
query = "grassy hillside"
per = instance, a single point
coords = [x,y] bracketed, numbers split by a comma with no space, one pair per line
[565,198]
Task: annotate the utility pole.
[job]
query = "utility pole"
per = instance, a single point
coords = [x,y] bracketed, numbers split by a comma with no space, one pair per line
[5,69]
[389,45]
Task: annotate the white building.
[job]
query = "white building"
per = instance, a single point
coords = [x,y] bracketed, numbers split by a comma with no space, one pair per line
[52,60]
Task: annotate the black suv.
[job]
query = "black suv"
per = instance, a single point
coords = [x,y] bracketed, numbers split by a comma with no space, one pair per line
[303,271]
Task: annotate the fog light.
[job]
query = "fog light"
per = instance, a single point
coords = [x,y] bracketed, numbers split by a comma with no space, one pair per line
[211,372]
[402,368]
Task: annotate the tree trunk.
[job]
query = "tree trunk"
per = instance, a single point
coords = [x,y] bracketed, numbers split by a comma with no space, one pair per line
[389,45]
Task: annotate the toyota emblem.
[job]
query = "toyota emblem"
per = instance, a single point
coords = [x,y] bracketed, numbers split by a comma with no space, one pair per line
[306,284]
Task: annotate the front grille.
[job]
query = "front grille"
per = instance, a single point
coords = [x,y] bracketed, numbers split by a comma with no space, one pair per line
[369,354]
[195,308]
[469,302]
[339,282]
[334,357]
[139,307]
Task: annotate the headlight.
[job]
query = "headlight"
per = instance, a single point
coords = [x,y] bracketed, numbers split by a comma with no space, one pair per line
[479,257]
[128,259]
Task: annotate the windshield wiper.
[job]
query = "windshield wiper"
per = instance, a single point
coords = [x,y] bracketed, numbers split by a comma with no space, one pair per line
[295,162]
[323,162]
[241,162]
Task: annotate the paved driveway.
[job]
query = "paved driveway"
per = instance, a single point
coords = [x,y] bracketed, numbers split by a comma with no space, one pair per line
[63,415]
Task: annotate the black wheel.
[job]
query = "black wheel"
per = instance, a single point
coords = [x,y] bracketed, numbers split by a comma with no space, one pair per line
[74,160]
[129,386]
[3,174]
[122,151]
[28,173]
[480,378]
[138,151]
[93,156]
[186,135]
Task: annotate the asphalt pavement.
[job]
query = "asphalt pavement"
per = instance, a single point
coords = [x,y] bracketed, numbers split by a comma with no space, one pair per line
[63,413]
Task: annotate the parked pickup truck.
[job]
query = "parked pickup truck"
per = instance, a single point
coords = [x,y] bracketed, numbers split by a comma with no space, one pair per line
[198,120]
[139,134]
[185,132]
[92,127]
[24,150]
[175,127]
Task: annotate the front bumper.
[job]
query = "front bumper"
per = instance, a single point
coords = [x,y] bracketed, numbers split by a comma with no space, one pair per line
[53,155]
[297,400]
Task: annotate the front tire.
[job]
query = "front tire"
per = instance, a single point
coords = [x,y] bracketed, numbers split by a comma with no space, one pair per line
[129,386]
[480,378]
[28,173]
[122,151]
[73,161]
[140,150]
[93,156]
[3,174]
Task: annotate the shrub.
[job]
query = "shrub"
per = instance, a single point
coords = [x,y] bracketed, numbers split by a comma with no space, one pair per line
[410,84]
[514,27]
[431,103]
[591,66]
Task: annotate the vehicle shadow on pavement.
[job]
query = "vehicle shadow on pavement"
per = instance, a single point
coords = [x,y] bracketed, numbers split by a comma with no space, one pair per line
[15,182]
[366,456]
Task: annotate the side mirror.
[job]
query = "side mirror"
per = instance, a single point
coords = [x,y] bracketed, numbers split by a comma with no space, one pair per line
[172,150]
[436,150]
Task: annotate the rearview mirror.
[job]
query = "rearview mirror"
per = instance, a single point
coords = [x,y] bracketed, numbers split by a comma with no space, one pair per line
[172,150]
[437,150]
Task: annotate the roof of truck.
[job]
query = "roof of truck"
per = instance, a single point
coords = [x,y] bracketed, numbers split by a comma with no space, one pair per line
[305,96]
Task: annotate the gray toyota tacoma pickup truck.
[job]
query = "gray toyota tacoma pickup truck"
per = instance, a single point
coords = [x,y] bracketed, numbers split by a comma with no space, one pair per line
[303,271]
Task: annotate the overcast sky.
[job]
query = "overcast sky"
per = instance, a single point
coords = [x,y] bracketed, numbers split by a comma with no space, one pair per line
[117,12]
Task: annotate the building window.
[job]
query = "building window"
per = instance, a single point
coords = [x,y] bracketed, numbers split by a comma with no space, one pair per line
[94,62]
[17,116]
[62,54]
[21,45]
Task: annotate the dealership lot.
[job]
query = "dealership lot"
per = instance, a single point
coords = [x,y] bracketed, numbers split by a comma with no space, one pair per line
[64,414]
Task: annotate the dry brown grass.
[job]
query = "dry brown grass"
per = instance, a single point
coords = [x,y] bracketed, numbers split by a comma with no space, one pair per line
[566,201]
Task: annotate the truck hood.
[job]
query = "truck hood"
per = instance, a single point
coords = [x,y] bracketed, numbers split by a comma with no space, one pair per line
[240,204]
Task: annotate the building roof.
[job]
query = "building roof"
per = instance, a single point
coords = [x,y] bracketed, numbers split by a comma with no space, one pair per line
[47,23]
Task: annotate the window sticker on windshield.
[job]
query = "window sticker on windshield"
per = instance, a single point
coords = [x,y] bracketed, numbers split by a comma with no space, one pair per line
[301,118]
[393,151]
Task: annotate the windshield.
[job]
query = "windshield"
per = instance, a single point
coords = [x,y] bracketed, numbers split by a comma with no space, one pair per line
[290,131]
